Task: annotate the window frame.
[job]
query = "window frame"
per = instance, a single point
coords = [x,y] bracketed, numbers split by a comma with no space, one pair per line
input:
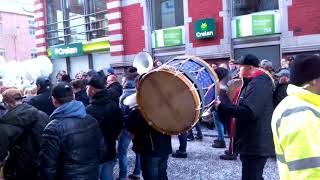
[235,12]
[66,29]
[158,17]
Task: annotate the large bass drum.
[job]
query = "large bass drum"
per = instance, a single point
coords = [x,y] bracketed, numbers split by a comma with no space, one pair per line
[173,96]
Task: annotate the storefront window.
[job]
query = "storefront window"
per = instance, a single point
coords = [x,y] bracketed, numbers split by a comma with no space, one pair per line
[167,13]
[243,7]
[54,22]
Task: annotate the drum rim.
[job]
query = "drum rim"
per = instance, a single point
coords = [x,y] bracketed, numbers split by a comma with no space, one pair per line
[194,93]
[209,69]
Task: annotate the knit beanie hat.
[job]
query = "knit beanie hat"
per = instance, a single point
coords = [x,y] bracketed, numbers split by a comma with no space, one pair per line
[305,68]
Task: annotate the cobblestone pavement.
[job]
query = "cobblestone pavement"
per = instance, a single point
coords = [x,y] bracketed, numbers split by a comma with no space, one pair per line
[203,162]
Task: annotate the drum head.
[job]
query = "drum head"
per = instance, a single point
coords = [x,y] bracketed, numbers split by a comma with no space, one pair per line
[168,101]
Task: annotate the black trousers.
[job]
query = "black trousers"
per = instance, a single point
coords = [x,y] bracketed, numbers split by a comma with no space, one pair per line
[252,167]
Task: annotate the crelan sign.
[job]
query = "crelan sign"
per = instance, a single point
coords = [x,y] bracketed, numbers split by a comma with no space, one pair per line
[204,28]
[67,51]
[63,51]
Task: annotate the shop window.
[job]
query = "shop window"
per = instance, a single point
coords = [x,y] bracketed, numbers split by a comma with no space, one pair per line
[243,7]
[167,13]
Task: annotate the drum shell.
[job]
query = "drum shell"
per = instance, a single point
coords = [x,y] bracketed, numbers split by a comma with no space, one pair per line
[175,122]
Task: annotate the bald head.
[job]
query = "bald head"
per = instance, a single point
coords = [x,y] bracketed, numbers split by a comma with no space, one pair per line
[111,79]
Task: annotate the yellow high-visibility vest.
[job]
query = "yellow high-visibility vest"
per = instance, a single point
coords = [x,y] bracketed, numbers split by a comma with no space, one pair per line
[296,135]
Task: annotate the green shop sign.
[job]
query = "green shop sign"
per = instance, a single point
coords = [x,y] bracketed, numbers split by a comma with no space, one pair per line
[77,49]
[63,51]
[256,24]
[204,28]
[168,37]
[263,24]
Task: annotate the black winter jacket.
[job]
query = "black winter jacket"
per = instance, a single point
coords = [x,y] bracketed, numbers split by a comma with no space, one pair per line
[70,148]
[43,101]
[82,97]
[279,94]
[20,134]
[147,140]
[253,114]
[108,114]
[115,90]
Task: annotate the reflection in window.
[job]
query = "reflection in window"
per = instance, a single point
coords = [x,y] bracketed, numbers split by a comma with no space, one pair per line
[54,22]
[97,19]
[75,14]
[167,13]
[243,7]
[70,21]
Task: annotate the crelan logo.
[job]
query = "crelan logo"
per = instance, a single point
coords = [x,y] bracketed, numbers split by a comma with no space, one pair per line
[204,33]
[204,26]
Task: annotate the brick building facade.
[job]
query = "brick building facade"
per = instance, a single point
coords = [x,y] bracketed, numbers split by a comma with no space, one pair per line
[132,28]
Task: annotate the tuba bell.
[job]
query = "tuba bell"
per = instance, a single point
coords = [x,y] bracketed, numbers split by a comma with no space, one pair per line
[143,62]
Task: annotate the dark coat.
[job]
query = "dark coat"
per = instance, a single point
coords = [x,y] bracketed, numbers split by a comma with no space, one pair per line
[70,148]
[43,101]
[108,114]
[253,114]
[82,97]
[224,117]
[20,134]
[279,94]
[115,90]
[147,140]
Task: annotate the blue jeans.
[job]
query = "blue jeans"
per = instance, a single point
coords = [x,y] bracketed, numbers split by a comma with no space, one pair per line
[219,126]
[123,145]
[183,142]
[106,170]
[154,168]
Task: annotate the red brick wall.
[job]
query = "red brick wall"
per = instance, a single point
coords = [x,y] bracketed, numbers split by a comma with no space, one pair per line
[133,35]
[304,17]
[200,9]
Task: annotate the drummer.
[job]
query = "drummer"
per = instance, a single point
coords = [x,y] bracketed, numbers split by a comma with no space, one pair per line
[154,147]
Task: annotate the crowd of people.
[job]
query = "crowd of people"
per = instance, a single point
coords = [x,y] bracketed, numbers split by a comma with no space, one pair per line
[80,128]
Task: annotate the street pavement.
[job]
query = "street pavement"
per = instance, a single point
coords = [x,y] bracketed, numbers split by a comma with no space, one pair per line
[203,162]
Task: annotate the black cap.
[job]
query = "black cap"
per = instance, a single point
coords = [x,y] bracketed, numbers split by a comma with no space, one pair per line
[305,68]
[248,59]
[97,82]
[62,90]
[132,69]
[43,81]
